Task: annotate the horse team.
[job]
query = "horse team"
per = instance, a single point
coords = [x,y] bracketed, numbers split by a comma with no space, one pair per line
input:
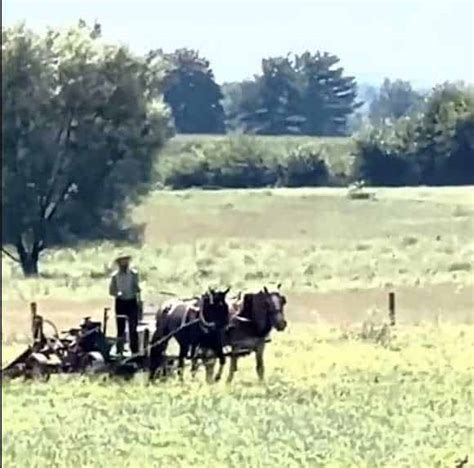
[205,326]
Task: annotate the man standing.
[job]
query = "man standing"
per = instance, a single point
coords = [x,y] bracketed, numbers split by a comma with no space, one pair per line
[124,286]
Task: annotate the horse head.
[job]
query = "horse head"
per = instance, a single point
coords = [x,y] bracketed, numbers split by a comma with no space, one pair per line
[215,310]
[274,305]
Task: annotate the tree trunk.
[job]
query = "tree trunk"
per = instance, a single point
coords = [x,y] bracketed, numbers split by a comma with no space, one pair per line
[29,258]
[29,265]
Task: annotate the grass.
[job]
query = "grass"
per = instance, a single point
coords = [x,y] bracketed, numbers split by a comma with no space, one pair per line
[330,400]
[339,393]
[313,240]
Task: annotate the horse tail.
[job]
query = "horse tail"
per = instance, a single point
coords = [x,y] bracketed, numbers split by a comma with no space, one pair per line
[156,356]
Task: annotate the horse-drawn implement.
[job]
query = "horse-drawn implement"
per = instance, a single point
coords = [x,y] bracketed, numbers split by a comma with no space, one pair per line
[84,350]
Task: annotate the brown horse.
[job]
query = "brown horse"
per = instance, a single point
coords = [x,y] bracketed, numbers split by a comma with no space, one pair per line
[198,323]
[252,318]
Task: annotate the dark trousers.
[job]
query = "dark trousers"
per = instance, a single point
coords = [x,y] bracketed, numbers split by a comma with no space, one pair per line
[126,310]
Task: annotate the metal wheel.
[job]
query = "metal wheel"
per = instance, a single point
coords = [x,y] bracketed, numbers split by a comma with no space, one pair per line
[93,363]
[36,368]
[13,372]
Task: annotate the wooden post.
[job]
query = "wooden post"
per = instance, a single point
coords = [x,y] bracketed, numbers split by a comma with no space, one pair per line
[33,310]
[105,320]
[36,324]
[391,308]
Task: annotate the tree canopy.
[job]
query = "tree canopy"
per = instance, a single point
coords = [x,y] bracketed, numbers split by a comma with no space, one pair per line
[82,124]
[302,94]
[432,147]
[192,93]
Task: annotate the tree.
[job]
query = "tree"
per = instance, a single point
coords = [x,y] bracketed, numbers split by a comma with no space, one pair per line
[394,100]
[82,124]
[433,147]
[241,101]
[445,154]
[193,95]
[328,97]
[302,94]
[278,99]
[459,168]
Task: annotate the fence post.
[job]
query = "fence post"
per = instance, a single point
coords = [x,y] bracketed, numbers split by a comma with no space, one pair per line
[391,308]
[105,320]
[33,311]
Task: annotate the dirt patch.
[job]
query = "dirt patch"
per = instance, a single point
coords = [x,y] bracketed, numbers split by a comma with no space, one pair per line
[448,302]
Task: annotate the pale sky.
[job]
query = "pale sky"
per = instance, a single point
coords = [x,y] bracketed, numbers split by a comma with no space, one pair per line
[426,42]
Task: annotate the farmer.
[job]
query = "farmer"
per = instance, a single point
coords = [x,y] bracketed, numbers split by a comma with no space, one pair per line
[124,286]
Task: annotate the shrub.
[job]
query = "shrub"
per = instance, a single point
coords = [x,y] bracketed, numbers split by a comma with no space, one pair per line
[243,162]
[459,166]
[444,136]
[235,162]
[305,166]
[189,170]
[381,160]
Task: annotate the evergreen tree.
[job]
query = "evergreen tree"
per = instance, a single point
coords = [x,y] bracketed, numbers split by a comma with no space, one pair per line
[299,95]
[193,95]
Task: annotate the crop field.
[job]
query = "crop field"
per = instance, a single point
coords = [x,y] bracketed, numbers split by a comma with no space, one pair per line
[341,388]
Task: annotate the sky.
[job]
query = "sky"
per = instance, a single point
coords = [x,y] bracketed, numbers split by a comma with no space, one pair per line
[426,42]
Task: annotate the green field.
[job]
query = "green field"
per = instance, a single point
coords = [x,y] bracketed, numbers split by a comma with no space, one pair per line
[329,401]
[337,394]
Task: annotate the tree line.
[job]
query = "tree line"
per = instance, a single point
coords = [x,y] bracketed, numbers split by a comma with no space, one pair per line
[433,145]
[306,94]
[84,123]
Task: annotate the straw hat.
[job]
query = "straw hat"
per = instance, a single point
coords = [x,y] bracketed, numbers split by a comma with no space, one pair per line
[122,256]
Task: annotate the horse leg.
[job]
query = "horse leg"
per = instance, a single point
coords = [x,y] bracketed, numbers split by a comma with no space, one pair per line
[156,358]
[157,362]
[220,355]
[194,360]
[183,352]
[259,361]
[209,362]
[233,367]
[153,370]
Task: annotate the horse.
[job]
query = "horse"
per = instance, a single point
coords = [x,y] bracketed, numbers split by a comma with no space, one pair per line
[253,316]
[198,323]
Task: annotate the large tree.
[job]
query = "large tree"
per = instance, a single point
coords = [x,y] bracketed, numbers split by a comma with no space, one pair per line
[302,94]
[278,99]
[328,97]
[193,95]
[82,123]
